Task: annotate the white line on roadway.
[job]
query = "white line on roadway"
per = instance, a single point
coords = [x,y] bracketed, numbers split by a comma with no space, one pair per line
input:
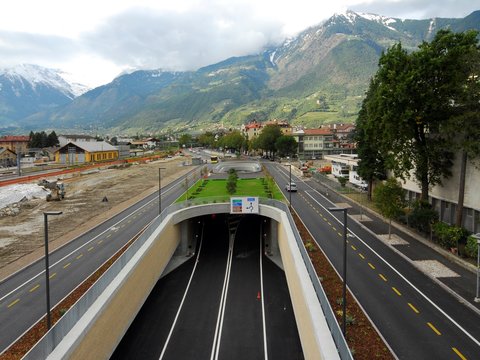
[396,271]
[80,247]
[183,298]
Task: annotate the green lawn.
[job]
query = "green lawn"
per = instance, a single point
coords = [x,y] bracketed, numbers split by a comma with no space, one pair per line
[215,190]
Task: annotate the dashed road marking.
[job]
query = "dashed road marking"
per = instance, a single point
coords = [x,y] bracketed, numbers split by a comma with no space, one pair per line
[382,277]
[13,303]
[90,248]
[414,308]
[52,276]
[34,288]
[435,330]
[396,291]
[67,265]
[460,355]
[79,256]
[371,265]
[353,247]
[361,255]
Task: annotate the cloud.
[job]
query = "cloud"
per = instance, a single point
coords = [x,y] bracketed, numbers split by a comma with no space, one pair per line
[418,9]
[146,39]
[18,47]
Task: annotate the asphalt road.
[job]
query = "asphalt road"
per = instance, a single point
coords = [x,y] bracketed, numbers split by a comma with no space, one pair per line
[231,302]
[418,318]
[22,295]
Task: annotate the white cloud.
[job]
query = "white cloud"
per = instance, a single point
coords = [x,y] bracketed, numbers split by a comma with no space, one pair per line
[95,40]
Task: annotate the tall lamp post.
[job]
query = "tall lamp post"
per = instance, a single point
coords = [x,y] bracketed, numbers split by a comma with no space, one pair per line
[344,290]
[160,190]
[47,270]
[290,187]
[477,293]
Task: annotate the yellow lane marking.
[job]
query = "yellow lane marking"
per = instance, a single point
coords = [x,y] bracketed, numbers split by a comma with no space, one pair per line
[34,288]
[371,265]
[334,228]
[329,223]
[382,277]
[90,248]
[353,247]
[460,355]
[339,234]
[396,291]
[129,221]
[361,255]
[13,303]
[123,225]
[108,236]
[434,328]
[52,276]
[79,256]
[66,265]
[99,242]
[414,308]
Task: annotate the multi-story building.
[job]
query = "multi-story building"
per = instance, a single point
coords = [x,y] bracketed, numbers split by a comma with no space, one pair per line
[17,144]
[315,143]
[65,139]
[251,130]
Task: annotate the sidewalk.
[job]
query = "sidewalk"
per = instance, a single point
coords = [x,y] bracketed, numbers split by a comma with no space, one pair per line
[451,272]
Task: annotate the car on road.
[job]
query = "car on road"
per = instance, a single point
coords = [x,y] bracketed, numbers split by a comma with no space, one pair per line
[291,187]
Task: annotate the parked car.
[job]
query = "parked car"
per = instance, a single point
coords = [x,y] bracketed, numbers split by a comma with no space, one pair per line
[291,187]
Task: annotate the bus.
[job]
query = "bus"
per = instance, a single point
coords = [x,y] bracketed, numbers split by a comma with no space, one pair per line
[214,159]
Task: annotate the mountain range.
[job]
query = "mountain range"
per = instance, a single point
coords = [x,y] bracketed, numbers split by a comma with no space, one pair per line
[319,76]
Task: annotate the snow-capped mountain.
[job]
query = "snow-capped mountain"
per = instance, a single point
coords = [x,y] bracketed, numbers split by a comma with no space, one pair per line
[35,75]
[26,89]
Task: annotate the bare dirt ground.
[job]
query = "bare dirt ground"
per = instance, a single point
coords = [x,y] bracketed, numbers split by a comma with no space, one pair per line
[23,235]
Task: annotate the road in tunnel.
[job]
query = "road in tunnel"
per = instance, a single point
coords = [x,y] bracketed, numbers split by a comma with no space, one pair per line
[213,306]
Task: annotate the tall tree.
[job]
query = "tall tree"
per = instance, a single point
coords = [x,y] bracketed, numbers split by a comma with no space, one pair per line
[267,138]
[389,198]
[465,123]
[371,166]
[286,145]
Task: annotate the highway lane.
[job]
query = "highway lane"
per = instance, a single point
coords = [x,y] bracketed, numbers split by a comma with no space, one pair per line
[418,318]
[235,303]
[22,295]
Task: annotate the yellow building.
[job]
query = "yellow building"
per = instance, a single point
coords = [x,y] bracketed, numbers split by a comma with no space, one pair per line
[86,152]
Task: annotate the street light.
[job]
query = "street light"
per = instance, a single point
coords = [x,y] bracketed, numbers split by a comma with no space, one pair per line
[160,190]
[290,187]
[47,270]
[344,291]
[477,293]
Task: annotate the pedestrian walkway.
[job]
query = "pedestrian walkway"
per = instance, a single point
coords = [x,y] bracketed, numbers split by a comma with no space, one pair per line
[453,273]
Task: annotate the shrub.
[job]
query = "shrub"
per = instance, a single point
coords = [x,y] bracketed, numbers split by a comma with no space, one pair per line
[422,216]
[342,180]
[449,236]
[471,249]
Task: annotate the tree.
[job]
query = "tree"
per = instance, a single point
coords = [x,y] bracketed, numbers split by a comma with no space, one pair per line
[185,140]
[413,101]
[207,139]
[286,145]
[465,123]
[232,181]
[268,137]
[389,198]
[52,139]
[233,140]
[371,166]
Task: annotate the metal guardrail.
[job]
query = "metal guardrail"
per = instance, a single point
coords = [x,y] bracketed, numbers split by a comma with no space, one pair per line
[48,343]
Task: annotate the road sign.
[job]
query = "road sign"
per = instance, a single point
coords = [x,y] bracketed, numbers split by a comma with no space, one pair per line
[244,205]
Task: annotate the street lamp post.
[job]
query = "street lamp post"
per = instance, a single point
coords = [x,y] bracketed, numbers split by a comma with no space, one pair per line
[344,290]
[160,190]
[47,270]
[290,187]
[477,293]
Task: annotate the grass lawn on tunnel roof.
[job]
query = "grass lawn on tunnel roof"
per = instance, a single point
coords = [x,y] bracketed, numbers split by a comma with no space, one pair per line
[215,188]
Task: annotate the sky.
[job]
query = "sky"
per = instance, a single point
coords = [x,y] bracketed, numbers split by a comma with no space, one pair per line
[93,41]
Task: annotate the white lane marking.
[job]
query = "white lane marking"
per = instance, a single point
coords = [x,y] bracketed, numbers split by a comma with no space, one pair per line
[223,302]
[398,272]
[80,247]
[265,347]
[183,298]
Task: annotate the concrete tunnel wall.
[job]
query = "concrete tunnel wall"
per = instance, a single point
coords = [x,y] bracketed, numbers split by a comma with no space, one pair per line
[101,329]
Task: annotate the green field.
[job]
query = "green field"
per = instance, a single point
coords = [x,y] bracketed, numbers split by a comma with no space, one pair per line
[215,190]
